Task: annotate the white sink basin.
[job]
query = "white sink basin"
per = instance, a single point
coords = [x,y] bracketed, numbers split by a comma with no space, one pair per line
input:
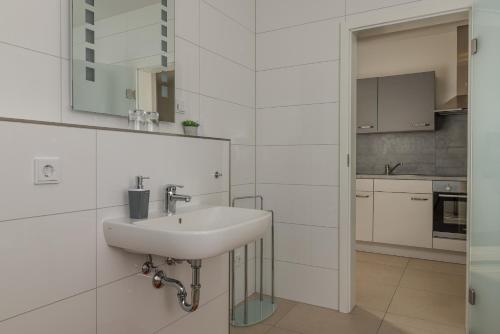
[193,233]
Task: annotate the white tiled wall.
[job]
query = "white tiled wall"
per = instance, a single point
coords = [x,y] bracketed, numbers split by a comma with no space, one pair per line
[297,141]
[215,56]
[63,277]
[297,133]
[358,6]
[51,239]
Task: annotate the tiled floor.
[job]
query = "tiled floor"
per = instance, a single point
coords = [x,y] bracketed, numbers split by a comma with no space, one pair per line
[395,296]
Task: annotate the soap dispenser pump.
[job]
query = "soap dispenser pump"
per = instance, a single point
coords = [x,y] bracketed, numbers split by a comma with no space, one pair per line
[138,199]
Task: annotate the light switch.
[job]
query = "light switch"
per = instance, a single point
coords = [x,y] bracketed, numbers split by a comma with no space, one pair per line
[181,107]
[47,171]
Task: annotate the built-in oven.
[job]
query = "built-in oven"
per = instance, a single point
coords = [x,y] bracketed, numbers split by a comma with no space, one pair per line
[450,209]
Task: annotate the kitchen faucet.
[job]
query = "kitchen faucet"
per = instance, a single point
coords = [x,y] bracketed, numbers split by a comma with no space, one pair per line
[389,170]
[171,198]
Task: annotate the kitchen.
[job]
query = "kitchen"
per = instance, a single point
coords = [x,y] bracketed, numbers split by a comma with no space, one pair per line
[412,147]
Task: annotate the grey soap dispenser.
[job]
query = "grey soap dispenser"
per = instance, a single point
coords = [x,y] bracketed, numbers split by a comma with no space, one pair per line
[138,199]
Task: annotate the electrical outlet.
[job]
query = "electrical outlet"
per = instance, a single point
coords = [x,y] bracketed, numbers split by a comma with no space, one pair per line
[47,171]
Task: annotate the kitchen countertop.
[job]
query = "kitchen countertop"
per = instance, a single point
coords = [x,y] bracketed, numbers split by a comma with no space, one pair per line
[413,177]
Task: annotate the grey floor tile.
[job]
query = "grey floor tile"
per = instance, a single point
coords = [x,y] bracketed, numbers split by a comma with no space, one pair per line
[309,319]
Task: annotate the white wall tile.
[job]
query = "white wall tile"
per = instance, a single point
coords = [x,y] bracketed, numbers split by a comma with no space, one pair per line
[242,11]
[35,23]
[191,103]
[307,84]
[187,20]
[227,120]
[356,6]
[210,318]
[304,44]
[76,150]
[48,259]
[215,199]
[76,315]
[186,161]
[133,306]
[223,79]
[307,165]
[318,245]
[30,85]
[244,190]
[65,28]
[291,278]
[222,35]
[242,164]
[297,204]
[296,125]
[275,14]
[187,65]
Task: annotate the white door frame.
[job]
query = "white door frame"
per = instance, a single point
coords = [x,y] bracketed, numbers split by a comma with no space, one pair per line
[347,155]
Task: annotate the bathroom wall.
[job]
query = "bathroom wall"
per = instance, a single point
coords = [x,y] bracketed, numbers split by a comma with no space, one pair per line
[79,285]
[442,153]
[298,134]
[215,72]
[297,141]
[60,266]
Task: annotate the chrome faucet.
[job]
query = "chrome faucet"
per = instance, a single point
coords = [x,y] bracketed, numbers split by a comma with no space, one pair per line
[171,198]
[389,170]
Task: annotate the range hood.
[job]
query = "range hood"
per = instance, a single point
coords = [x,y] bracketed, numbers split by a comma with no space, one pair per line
[460,103]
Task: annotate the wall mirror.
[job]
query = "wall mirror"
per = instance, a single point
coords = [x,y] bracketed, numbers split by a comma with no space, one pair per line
[123,56]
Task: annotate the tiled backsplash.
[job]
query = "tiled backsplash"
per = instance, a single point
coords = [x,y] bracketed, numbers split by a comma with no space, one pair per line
[443,152]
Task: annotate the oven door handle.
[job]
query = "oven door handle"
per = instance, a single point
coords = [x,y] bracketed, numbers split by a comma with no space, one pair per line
[452,196]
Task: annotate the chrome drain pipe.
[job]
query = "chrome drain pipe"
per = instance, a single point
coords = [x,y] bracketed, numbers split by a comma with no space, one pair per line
[160,279]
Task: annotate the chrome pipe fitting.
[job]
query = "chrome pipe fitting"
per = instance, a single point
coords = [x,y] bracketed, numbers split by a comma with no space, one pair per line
[148,266]
[160,279]
[171,261]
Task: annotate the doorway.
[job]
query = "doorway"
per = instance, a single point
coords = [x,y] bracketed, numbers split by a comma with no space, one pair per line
[415,267]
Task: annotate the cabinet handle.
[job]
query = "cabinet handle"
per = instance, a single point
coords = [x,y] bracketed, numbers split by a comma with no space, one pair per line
[419,199]
[362,196]
[364,127]
[421,125]
[452,196]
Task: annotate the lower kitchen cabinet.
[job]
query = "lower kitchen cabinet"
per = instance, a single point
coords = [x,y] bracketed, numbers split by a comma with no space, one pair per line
[403,219]
[364,215]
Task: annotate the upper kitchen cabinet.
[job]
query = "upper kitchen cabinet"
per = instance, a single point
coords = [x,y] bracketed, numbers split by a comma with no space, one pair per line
[406,102]
[367,108]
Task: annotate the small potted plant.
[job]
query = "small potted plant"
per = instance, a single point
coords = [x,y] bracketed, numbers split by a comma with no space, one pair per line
[190,127]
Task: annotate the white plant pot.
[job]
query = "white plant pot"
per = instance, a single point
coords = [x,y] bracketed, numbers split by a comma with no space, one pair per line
[191,130]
